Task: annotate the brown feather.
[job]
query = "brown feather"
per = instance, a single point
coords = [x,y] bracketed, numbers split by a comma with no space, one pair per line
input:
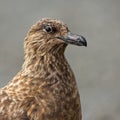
[45,87]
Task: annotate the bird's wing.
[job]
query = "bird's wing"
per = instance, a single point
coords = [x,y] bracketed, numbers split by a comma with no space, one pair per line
[28,109]
[4,102]
[20,100]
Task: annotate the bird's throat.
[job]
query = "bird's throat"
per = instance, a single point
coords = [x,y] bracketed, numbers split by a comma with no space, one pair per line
[44,65]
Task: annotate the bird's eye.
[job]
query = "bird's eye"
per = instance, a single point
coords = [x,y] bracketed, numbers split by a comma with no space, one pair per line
[48,29]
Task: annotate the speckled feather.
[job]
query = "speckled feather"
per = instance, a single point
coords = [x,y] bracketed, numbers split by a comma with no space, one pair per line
[45,87]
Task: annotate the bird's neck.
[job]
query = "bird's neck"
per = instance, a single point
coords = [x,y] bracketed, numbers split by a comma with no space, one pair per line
[42,66]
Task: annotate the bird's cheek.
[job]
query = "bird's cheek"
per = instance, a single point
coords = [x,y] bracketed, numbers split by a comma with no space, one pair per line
[55,41]
[59,41]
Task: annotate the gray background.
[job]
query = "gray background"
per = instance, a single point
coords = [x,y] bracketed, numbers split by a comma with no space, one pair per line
[97,67]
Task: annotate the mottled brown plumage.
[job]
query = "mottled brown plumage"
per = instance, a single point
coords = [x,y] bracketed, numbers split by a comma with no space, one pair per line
[45,87]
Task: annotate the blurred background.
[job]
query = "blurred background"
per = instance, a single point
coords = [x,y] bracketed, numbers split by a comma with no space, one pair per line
[97,67]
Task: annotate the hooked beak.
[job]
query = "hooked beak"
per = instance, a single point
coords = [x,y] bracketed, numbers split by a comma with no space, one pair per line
[74,39]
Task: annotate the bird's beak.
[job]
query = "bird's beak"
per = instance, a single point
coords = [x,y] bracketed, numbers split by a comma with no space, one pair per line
[75,39]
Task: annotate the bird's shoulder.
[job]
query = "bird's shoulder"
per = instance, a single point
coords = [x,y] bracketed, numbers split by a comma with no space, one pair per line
[19,99]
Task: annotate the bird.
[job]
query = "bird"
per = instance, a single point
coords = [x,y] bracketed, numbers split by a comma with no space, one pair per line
[45,88]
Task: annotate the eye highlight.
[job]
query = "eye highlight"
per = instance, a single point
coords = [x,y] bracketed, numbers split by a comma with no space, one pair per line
[49,29]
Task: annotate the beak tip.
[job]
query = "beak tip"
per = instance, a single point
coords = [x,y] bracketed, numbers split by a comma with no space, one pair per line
[85,44]
[84,41]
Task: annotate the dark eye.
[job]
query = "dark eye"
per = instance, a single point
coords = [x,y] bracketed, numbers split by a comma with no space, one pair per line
[49,29]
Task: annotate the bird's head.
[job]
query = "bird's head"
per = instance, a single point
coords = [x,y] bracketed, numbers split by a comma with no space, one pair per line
[51,36]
